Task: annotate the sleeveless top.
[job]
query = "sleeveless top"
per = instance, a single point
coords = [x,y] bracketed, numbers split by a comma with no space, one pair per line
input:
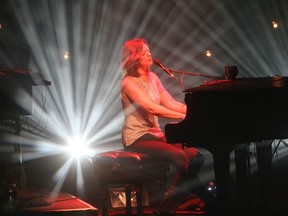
[137,121]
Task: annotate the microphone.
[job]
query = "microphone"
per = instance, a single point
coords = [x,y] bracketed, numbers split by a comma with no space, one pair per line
[160,64]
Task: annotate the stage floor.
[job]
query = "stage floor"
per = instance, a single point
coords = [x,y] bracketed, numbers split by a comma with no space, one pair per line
[47,203]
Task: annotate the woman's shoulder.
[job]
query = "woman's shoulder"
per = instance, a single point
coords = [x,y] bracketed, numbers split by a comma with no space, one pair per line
[127,81]
[153,75]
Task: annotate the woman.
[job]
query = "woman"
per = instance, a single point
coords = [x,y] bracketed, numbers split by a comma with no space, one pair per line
[144,99]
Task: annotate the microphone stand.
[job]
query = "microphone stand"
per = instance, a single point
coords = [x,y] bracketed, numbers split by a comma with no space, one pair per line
[179,82]
[196,74]
[193,74]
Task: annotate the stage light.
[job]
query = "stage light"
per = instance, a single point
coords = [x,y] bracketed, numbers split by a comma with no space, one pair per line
[275,24]
[208,53]
[77,147]
[66,55]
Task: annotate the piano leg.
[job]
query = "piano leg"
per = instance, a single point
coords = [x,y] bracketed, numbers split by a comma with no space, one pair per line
[221,159]
[242,166]
[223,178]
[264,162]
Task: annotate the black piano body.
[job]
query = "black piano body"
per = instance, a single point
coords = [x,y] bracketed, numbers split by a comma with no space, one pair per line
[225,113]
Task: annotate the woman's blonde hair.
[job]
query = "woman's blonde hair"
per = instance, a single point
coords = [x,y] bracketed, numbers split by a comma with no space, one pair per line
[131,52]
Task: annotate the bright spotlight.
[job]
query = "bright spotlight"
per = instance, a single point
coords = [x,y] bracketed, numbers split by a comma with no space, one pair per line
[66,55]
[208,53]
[77,147]
[275,24]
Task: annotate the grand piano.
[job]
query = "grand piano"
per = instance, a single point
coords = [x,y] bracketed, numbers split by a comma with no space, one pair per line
[225,114]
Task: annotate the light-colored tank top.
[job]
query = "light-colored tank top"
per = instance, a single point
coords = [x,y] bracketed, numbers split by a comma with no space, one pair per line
[137,121]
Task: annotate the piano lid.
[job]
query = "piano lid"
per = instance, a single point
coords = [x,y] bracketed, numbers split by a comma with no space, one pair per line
[241,84]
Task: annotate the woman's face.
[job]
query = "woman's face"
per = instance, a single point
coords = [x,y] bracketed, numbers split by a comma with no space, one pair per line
[145,60]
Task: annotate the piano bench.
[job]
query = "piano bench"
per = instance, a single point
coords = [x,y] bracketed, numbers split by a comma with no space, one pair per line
[128,170]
